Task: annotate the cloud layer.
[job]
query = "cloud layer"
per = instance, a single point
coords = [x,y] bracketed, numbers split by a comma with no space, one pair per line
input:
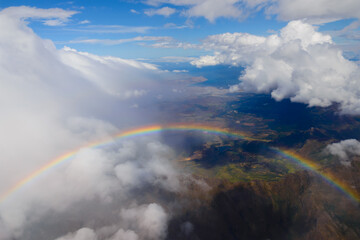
[54,101]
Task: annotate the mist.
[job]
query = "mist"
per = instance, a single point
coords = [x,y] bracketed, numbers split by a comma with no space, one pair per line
[54,101]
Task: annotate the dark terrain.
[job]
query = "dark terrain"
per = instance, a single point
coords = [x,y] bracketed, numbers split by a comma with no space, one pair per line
[256,194]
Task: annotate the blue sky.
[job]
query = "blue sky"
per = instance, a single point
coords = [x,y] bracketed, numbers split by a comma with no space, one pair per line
[127,19]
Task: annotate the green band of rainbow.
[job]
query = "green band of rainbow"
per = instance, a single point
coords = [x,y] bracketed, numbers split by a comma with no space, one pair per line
[179,127]
[327,176]
[141,131]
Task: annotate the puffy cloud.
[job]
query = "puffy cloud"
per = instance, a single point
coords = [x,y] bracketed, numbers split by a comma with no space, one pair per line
[244,48]
[150,220]
[149,166]
[165,11]
[99,179]
[344,150]
[54,101]
[299,63]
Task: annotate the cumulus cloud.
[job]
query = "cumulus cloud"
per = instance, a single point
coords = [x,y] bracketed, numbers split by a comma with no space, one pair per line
[344,150]
[147,221]
[114,176]
[165,11]
[300,63]
[151,220]
[54,101]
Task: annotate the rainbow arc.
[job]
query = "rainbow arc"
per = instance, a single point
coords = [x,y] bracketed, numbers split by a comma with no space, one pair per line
[146,130]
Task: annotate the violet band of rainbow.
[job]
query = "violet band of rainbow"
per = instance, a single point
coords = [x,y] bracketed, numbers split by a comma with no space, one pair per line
[146,130]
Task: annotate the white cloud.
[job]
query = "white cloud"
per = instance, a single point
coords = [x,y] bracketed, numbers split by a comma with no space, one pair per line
[51,17]
[53,22]
[299,63]
[150,220]
[176,59]
[95,68]
[206,61]
[213,9]
[172,43]
[165,11]
[344,149]
[187,24]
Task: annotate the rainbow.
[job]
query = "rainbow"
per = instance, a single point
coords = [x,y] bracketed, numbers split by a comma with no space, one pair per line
[141,131]
[327,176]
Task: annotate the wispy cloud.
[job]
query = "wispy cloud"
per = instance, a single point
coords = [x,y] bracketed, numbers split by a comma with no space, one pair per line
[134,11]
[84,22]
[50,17]
[112,29]
[175,59]
[187,24]
[148,41]
[208,9]
[123,40]
[165,11]
[173,43]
